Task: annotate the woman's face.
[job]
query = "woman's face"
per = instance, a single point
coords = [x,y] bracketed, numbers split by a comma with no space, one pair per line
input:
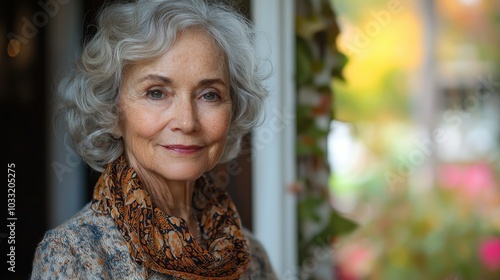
[175,111]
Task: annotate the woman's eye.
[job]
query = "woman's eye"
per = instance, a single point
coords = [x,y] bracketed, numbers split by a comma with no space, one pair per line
[211,96]
[155,94]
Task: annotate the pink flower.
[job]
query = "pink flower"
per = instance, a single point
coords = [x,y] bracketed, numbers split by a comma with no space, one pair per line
[355,260]
[490,253]
[473,179]
[478,177]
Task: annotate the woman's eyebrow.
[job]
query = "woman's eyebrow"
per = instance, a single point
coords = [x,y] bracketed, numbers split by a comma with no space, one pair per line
[155,77]
[167,80]
[207,82]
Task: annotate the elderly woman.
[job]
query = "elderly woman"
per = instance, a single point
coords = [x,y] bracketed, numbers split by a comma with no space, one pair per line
[162,93]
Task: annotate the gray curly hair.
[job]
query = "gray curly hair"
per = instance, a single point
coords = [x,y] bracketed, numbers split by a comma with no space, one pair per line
[129,33]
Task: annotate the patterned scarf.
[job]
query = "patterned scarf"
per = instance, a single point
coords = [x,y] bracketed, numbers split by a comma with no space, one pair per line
[163,243]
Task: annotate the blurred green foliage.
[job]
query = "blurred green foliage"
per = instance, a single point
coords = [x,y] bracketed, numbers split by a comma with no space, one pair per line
[317,62]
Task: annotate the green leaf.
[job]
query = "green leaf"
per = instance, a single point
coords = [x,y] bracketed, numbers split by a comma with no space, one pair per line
[337,225]
[303,62]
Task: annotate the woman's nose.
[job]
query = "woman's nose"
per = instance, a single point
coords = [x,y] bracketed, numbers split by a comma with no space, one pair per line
[185,118]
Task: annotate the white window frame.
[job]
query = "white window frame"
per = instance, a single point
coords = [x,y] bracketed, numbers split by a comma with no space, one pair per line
[274,160]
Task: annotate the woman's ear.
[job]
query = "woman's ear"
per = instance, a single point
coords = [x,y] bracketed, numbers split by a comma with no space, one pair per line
[117,132]
[116,136]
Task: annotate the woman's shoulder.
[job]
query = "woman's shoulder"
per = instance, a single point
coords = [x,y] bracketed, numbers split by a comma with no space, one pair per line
[260,266]
[84,228]
[86,243]
[83,222]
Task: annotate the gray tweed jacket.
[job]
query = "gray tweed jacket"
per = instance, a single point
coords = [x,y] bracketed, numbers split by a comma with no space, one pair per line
[90,246]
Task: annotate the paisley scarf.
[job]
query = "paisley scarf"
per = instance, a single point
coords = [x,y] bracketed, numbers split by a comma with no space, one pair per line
[163,243]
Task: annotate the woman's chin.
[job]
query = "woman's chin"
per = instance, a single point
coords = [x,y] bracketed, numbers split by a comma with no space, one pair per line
[182,172]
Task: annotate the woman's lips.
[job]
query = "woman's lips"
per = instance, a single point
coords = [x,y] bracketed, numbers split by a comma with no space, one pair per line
[182,149]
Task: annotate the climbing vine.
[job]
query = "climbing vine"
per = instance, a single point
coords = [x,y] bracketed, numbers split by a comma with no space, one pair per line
[318,61]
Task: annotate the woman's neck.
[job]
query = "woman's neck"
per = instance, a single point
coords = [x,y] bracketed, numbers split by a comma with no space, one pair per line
[173,197]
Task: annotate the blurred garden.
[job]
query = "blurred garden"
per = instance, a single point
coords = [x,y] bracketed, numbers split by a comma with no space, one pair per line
[422,182]
[413,144]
